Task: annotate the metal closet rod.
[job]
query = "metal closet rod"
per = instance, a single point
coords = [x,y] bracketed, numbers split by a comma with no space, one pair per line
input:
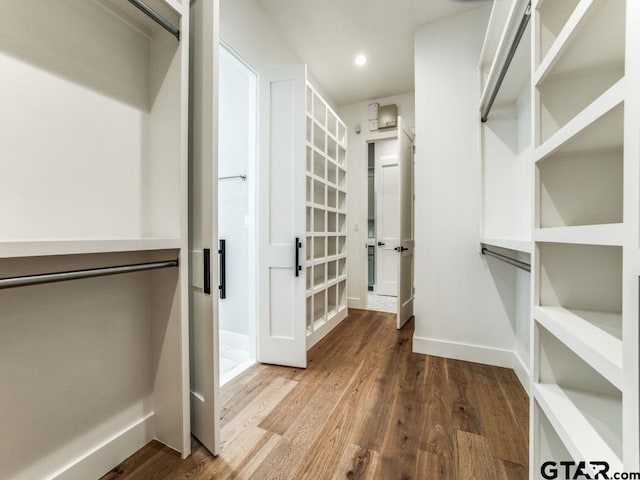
[507,62]
[156,17]
[243,177]
[88,273]
[511,261]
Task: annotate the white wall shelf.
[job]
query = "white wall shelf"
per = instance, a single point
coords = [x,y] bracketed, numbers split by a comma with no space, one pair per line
[524,246]
[608,234]
[597,127]
[595,336]
[40,248]
[592,39]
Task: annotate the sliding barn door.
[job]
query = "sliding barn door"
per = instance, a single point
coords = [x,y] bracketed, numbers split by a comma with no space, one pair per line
[405,251]
[281,217]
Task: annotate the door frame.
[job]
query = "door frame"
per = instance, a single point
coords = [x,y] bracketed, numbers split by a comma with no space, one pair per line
[364,179]
[252,187]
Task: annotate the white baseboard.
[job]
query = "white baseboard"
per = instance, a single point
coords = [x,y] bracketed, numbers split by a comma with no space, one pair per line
[474,353]
[98,461]
[319,334]
[357,303]
[522,372]
[235,340]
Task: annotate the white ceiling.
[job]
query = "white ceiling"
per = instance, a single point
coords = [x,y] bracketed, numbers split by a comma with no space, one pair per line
[327,35]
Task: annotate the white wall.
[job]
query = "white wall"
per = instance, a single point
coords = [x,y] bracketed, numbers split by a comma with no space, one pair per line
[246,27]
[458,303]
[356,114]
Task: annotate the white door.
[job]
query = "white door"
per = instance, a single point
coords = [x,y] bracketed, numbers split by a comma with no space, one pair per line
[281,217]
[387,220]
[203,291]
[405,248]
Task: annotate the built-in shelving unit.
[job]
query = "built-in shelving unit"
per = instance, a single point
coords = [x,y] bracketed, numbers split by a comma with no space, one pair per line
[507,167]
[326,218]
[585,312]
[94,174]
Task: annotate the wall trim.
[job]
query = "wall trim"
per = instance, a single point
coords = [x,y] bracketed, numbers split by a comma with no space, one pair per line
[99,460]
[522,372]
[235,340]
[497,357]
[357,303]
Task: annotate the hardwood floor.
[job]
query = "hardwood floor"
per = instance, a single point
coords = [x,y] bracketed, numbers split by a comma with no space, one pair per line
[365,408]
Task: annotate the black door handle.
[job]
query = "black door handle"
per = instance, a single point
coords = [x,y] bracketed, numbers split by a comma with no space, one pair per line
[223,269]
[381,244]
[298,247]
[206,287]
[401,249]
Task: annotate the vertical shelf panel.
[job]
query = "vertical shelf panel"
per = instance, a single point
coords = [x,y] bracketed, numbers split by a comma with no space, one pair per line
[586,390]
[326,221]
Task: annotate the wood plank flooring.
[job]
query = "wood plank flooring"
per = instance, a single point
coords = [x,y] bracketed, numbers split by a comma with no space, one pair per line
[365,408]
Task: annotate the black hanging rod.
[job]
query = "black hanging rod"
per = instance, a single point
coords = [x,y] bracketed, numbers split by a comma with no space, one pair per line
[156,17]
[77,274]
[511,261]
[507,62]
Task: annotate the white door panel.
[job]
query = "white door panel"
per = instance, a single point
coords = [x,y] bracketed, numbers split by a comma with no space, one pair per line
[387,220]
[281,217]
[406,244]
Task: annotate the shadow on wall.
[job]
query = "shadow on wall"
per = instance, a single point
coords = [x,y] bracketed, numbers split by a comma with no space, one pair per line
[75,40]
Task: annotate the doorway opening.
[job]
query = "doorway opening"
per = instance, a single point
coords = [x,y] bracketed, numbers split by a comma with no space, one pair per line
[237,121]
[383,228]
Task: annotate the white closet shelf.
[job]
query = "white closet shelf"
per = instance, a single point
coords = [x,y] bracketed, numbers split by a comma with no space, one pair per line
[594,336]
[169,9]
[519,74]
[40,248]
[578,49]
[570,411]
[597,127]
[612,234]
[516,244]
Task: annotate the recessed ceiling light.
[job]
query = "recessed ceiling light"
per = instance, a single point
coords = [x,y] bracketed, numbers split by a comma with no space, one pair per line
[360,60]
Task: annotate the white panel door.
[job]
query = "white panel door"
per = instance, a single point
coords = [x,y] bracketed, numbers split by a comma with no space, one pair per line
[281,217]
[203,292]
[387,220]
[405,248]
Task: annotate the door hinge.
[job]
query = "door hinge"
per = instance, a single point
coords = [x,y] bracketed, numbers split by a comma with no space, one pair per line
[414,149]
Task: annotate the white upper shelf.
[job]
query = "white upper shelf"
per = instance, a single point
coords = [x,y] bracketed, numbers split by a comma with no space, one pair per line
[41,248]
[591,39]
[612,234]
[517,245]
[597,127]
[504,25]
[170,10]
